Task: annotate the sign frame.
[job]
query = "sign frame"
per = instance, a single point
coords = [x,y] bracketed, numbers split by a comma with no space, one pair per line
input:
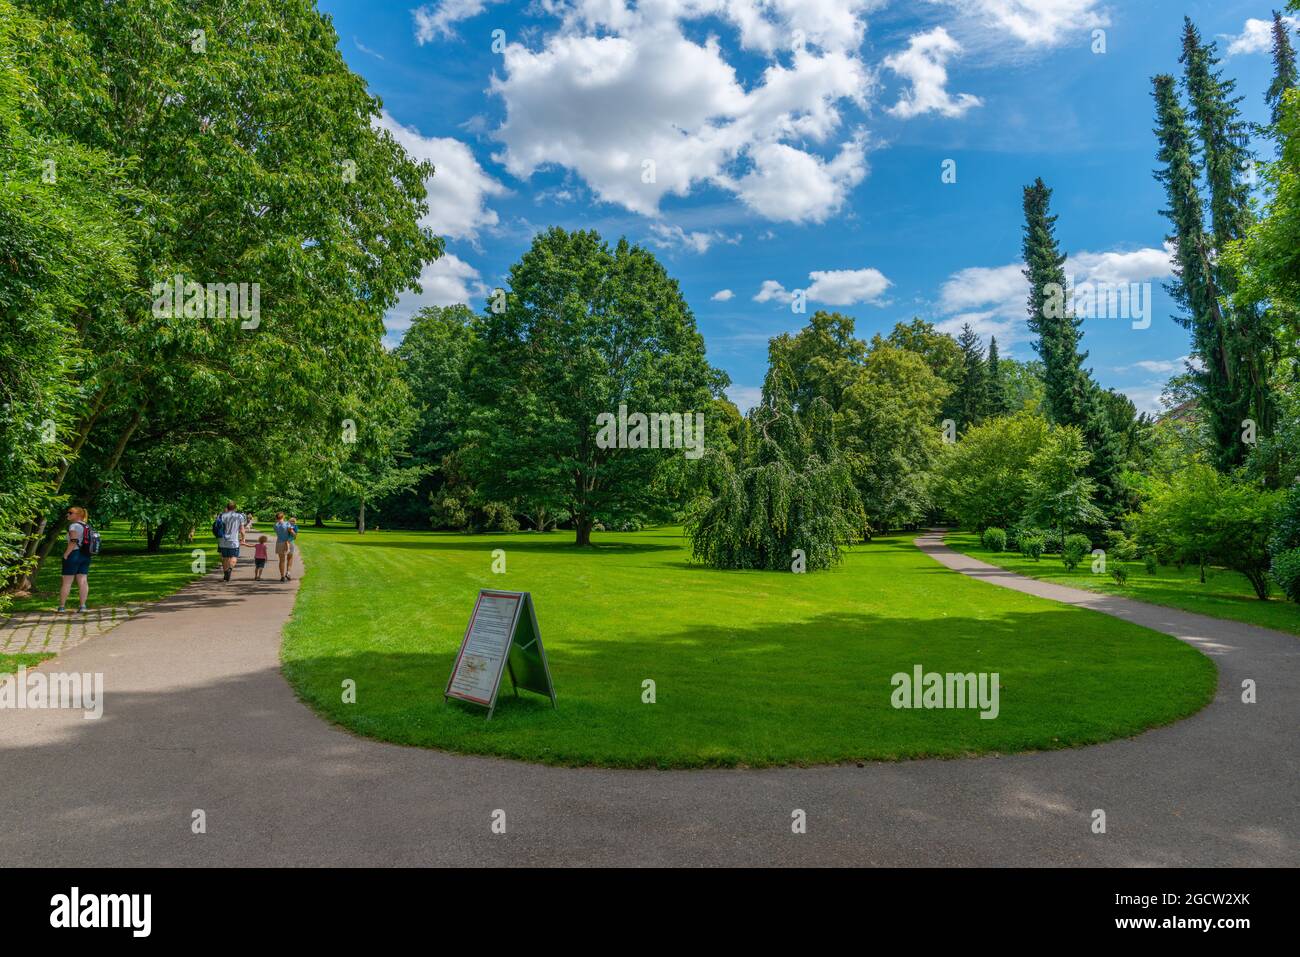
[514,649]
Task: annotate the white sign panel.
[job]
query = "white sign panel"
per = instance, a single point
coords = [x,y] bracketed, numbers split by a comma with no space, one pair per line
[483,651]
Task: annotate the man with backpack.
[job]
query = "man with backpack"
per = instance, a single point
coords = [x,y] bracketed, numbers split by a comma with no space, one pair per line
[83,543]
[229,531]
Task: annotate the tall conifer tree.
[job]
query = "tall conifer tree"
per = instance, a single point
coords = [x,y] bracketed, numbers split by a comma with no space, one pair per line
[1284,69]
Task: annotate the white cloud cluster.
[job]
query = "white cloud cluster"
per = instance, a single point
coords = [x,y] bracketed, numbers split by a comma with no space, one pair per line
[994,300]
[443,282]
[435,20]
[459,187]
[924,65]
[1257,36]
[619,94]
[1035,23]
[722,295]
[831,287]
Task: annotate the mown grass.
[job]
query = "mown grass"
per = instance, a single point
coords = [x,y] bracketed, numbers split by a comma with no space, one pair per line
[122,573]
[1224,594]
[750,668]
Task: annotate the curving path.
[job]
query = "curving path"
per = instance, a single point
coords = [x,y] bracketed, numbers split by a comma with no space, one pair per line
[197,716]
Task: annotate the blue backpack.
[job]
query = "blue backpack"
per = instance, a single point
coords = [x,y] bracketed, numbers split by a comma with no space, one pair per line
[218,528]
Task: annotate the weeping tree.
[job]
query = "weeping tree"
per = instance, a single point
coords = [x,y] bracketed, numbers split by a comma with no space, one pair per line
[785,489]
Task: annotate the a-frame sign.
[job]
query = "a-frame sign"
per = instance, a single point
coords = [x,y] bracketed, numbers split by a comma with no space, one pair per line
[502,636]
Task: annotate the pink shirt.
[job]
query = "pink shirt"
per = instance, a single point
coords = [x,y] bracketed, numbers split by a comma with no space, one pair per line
[259,550]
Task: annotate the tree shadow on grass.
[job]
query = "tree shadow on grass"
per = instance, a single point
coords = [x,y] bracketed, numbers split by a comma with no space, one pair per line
[487,542]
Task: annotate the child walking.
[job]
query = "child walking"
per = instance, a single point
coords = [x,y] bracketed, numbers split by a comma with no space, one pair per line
[259,558]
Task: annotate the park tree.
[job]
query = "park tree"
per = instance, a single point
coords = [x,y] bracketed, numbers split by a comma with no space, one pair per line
[583,330]
[1059,491]
[1284,67]
[996,399]
[940,352]
[972,393]
[887,430]
[1226,165]
[982,480]
[823,359]
[1072,398]
[785,500]
[1202,517]
[64,237]
[253,156]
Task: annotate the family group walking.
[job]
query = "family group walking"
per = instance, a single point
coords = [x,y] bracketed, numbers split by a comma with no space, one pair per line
[234,529]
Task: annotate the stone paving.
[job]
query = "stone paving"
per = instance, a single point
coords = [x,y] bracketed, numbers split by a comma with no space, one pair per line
[45,632]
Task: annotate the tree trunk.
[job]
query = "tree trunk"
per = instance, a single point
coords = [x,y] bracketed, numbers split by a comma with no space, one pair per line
[361,518]
[319,521]
[583,526]
[155,537]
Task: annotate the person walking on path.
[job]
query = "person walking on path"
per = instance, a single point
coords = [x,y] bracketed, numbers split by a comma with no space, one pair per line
[231,536]
[293,548]
[283,543]
[76,559]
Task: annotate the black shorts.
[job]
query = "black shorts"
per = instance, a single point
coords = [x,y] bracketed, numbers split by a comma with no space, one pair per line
[259,562]
[76,564]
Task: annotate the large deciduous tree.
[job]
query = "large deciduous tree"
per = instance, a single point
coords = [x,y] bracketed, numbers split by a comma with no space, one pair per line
[585,329]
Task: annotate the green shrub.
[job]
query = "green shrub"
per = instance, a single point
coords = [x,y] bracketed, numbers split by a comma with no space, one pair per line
[1031,546]
[995,539]
[1152,565]
[1120,546]
[1120,574]
[1074,548]
[1286,572]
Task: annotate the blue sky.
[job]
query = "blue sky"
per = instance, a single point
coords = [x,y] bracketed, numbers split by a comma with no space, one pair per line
[800,145]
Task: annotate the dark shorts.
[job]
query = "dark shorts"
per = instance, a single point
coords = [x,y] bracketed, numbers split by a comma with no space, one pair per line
[76,564]
[228,552]
[259,562]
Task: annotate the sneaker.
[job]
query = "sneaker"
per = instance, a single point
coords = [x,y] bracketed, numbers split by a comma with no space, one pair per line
[83,610]
[60,610]
[225,574]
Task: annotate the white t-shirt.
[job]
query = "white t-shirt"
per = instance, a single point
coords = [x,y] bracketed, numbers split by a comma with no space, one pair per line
[75,531]
[231,523]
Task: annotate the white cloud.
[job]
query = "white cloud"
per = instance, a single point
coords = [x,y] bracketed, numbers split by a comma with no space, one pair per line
[1256,36]
[832,287]
[1146,397]
[444,282]
[745,397]
[459,187]
[1164,366]
[671,237]
[722,295]
[436,19]
[1035,23]
[770,290]
[844,287]
[640,111]
[924,65]
[995,300]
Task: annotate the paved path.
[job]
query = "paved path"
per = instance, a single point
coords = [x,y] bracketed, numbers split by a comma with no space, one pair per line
[199,717]
[45,632]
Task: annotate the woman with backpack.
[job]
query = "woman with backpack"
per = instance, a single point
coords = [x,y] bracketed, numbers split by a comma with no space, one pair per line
[82,540]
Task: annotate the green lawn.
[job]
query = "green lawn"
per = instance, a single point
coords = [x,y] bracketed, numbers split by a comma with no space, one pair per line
[11,663]
[1225,594]
[751,668]
[122,572]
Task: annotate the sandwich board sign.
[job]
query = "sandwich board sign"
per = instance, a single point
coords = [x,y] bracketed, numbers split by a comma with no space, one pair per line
[502,637]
